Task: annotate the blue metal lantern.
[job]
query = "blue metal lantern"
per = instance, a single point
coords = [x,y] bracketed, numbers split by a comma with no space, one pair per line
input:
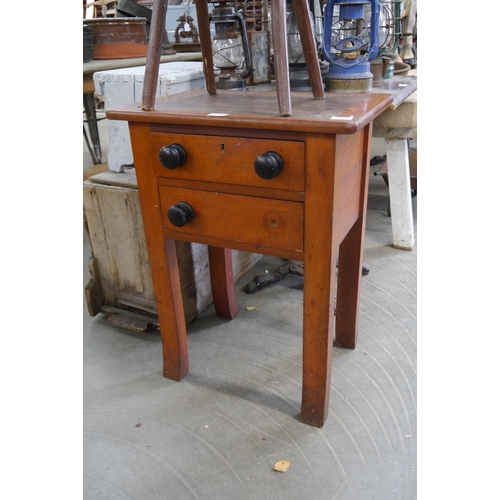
[350,42]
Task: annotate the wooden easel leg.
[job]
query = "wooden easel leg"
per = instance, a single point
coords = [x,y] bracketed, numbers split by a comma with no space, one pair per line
[222,281]
[278,14]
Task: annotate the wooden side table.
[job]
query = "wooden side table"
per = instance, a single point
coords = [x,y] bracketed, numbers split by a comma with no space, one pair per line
[226,170]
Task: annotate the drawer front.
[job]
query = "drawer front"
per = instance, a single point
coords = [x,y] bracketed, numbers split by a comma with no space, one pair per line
[247,219]
[231,160]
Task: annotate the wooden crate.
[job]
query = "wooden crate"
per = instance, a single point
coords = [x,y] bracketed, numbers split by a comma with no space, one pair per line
[120,284]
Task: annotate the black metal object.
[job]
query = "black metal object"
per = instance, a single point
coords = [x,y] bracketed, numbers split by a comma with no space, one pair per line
[181,32]
[94,145]
[295,267]
[289,267]
[88,43]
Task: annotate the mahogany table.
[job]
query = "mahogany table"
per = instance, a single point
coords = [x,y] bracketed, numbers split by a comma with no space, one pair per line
[226,170]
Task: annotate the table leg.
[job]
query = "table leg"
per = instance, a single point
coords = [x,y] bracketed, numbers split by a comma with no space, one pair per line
[350,262]
[170,312]
[320,245]
[319,306]
[222,281]
[348,287]
[398,172]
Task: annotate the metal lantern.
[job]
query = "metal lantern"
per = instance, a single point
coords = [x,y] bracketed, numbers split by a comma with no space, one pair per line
[259,40]
[389,32]
[350,42]
[299,78]
[230,48]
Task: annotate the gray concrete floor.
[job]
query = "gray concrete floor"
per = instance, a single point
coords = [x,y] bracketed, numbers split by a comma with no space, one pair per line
[217,434]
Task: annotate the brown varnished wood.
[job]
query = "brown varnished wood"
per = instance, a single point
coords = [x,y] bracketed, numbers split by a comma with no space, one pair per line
[351,259]
[349,171]
[158,18]
[242,246]
[163,263]
[88,84]
[258,192]
[301,10]
[247,133]
[256,109]
[306,218]
[233,218]
[231,160]
[206,45]
[222,281]
[319,279]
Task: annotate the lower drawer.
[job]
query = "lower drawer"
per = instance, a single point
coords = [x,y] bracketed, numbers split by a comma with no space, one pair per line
[246,219]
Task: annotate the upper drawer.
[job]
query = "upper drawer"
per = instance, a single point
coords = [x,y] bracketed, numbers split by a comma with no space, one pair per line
[231,160]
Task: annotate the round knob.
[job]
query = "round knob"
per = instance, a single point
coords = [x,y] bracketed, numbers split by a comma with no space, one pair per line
[180,214]
[268,165]
[172,156]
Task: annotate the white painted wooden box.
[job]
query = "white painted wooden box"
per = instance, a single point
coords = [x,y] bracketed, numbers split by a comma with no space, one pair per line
[118,87]
[120,283]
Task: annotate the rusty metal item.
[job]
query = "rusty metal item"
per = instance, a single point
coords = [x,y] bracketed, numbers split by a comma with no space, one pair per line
[181,32]
[295,267]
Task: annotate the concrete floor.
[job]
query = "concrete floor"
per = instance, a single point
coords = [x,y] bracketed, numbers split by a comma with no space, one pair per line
[217,434]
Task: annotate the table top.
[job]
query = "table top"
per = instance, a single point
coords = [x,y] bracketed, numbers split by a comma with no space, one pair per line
[257,108]
[400,87]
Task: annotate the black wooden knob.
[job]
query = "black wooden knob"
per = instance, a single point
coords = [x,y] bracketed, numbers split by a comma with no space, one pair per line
[172,156]
[180,214]
[268,165]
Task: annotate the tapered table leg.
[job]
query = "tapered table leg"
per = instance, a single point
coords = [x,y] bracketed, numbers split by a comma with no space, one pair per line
[222,281]
[350,264]
[349,285]
[171,314]
[319,283]
[163,262]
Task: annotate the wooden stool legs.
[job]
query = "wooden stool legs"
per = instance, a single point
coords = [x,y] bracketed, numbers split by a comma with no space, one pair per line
[206,45]
[278,16]
[158,19]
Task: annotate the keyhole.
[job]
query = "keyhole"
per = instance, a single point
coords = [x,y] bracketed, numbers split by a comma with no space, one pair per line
[273,223]
[222,147]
